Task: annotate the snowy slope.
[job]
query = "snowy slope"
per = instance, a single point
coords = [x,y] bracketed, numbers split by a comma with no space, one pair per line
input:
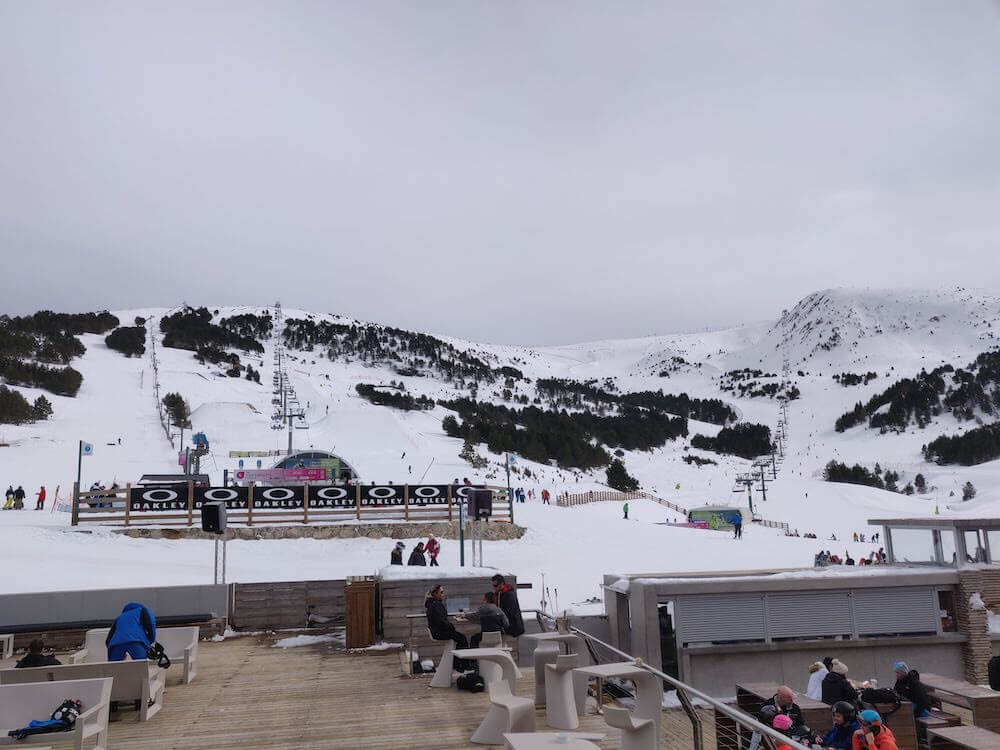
[892,332]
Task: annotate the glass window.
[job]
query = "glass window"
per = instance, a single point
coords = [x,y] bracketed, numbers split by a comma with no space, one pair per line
[947,537]
[946,611]
[913,545]
[993,537]
[975,549]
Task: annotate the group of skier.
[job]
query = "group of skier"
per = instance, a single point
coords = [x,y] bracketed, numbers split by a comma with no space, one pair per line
[520,495]
[432,548]
[824,558]
[14,499]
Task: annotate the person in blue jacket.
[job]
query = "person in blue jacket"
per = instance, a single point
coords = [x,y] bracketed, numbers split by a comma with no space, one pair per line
[132,633]
[845,723]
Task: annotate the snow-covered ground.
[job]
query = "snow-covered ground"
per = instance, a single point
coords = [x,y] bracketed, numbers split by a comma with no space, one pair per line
[891,333]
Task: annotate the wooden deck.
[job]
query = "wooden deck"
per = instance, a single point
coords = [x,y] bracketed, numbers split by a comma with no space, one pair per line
[250,695]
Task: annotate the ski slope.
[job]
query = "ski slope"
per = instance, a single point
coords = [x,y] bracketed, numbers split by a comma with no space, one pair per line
[890,332]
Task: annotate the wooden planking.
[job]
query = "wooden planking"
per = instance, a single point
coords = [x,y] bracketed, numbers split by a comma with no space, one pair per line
[277,605]
[249,695]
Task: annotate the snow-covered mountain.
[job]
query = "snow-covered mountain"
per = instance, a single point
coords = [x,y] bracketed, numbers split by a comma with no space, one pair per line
[891,333]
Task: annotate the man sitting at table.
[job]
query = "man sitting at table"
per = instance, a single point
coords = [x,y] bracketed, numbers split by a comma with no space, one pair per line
[784,701]
[437,619]
[909,687]
[490,617]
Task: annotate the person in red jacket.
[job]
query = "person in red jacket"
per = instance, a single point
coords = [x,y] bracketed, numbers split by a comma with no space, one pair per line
[872,735]
[40,505]
[432,548]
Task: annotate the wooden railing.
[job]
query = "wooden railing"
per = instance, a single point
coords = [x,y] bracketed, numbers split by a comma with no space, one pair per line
[252,506]
[616,496]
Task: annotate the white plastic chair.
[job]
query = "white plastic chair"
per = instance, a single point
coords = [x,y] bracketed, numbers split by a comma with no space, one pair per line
[442,677]
[565,692]
[545,653]
[637,734]
[508,713]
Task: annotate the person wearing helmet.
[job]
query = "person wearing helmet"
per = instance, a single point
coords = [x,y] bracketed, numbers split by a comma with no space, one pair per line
[783,723]
[764,716]
[872,735]
[845,724]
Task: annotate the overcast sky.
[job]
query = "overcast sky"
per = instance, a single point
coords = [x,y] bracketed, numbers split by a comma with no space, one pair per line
[528,172]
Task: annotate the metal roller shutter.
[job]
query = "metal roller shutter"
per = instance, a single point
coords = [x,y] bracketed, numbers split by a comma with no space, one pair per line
[802,615]
[720,617]
[899,610]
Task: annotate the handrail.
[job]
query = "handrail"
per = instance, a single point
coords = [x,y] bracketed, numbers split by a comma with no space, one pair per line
[685,691]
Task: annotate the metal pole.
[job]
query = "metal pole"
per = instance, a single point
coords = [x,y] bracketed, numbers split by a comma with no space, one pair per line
[215,576]
[461,532]
[224,540]
[763,487]
[480,533]
[510,497]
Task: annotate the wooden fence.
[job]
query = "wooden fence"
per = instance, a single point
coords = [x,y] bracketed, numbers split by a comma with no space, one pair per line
[286,604]
[184,509]
[582,498]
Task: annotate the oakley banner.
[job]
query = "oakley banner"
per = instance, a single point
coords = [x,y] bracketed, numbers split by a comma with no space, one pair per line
[166,499]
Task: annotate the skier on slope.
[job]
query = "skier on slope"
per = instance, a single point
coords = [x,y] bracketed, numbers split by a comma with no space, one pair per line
[40,503]
[9,495]
[19,498]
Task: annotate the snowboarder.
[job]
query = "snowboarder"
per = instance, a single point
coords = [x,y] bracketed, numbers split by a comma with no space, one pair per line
[625,510]
[40,503]
[545,497]
[433,548]
[417,556]
[396,558]
[9,495]
[19,498]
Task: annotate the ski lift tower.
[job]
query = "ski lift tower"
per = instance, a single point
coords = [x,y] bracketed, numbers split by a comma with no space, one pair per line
[745,481]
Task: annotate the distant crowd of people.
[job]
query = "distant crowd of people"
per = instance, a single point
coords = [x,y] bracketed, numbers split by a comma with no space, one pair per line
[14,499]
[825,557]
[431,549]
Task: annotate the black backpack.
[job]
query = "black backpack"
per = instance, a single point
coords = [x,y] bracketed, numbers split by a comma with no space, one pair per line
[157,654]
[881,696]
[471,682]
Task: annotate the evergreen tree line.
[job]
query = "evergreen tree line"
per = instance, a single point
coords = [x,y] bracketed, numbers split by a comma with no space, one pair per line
[965,392]
[746,383]
[408,351]
[572,439]
[572,393]
[917,398]
[50,337]
[976,446]
[744,439]
[63,381]
[129,340]
[618,477]
[403,400]
[193,329]
[835,471]
[848,379]
[247,325]
[15,408]
[690,458]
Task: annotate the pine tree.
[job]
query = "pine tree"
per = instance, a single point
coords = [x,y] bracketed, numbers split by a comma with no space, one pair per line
[920,483]
[619,478]
[968,491]
[42,408]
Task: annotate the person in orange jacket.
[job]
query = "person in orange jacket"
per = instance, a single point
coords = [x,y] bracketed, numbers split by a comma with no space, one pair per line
[872,735]
[40,504]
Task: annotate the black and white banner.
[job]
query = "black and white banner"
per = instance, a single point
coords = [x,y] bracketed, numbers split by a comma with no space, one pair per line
[175,497]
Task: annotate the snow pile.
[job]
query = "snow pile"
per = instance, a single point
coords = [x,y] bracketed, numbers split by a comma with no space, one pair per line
[307,640]
[976,601]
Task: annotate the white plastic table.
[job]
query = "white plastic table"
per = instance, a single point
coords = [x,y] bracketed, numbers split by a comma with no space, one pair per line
[503,667]
[550,741]
[574,645]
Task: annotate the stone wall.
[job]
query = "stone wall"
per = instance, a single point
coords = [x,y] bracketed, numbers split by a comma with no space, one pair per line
[398,530]
[978,649]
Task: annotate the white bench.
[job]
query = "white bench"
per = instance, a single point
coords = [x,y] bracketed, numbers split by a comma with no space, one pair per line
[179,644]
[135,681]
[21,704]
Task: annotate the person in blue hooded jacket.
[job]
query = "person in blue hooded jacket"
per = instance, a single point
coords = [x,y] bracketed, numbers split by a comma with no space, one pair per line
[132,633]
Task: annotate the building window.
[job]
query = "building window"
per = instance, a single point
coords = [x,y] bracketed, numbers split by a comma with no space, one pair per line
[975,547]
[946,611]
[913,545]
[946,539]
